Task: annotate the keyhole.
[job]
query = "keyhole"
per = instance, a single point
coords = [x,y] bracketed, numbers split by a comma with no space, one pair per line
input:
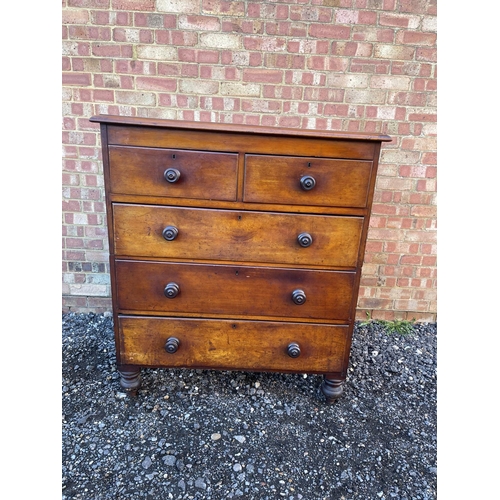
[309,164]
[237,272]
[173,156]
[239,217]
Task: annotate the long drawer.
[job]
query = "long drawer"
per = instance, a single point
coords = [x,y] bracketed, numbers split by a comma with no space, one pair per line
[173,172]
[306,181]
[189,233]
[252,345]
[239,291]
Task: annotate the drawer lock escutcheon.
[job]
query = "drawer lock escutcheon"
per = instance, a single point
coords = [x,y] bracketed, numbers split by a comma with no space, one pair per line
[172,290]
[305,239]
[170,233]
[172,345]
[299,297]
[293,350]
[307,182]
[172,175]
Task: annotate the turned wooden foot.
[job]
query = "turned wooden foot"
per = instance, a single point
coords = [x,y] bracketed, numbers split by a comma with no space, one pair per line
[332,388]
[130,378]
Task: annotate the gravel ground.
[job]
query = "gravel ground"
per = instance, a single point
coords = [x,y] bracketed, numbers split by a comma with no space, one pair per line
[193,434]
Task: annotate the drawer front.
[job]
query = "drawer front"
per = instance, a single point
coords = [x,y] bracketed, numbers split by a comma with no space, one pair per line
[202,175]
[236,235]
[242,345]
[217,290]
[288,180]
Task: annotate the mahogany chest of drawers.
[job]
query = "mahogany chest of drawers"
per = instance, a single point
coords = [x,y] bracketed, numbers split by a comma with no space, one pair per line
[235,247]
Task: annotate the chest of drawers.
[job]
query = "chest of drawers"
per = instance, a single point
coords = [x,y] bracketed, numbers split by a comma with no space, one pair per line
[235,247]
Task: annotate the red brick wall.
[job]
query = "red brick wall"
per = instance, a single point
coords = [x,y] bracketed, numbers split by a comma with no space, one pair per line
[358,65]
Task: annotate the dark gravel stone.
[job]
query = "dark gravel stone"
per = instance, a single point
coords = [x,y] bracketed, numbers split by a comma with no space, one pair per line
[377,441]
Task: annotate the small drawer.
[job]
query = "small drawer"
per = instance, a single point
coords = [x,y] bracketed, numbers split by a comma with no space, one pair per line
[292,180]
[239,345]
[173,173]
[230,235]
[218,290]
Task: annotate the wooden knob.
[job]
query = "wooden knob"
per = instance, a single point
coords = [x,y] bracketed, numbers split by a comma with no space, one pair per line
[170,233]
[172,290]
[172,345]
[299,297]
[307,182]
[293,350]
[304,239]
[172,175]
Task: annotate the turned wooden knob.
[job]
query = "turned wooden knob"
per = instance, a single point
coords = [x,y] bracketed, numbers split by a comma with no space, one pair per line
[172,345]
[299,297]
[307,182]
[293,350]
[304,239]
[172,290]
[172,175]
[170,233]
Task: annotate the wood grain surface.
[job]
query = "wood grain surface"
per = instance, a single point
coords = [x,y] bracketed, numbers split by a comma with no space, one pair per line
[233,290]
[225,344]
[264,237]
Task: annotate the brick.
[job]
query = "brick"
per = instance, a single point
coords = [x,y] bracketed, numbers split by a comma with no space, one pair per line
[89,4]
[400,20]
[429,23]
[156,52]
[151,83]
[155,20]
[100,305]
[224,7]
[406,99]
[352,49]
[89,33]
[346,16]
[305,78]
[356,96]
[143,5]
[220,40]
[111,50]
[348,81]
[75,16]
[425,54]
[394,52]
[422,211]
[70,303]
[199,87]
[177,38]
[289,121]
[72,48]
[263,76]
[178,6]
[240,89]
[330,31]
[373,303]
[257,106]
[203,23]
[282,92]
[267,44]
[377,66]
[90,290]
[307,46]
[416,38]
[390,82]
[414,6]
[136,98]
[325,95]
[372,34]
